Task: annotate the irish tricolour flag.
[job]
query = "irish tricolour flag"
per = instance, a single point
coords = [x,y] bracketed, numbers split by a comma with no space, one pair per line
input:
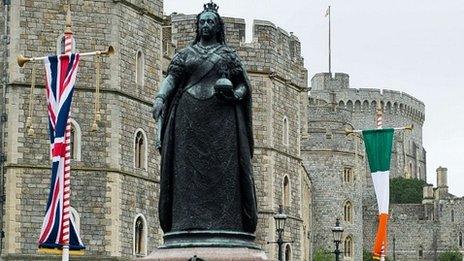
[378,148]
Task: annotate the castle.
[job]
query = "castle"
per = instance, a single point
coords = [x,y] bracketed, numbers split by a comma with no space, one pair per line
[303,158]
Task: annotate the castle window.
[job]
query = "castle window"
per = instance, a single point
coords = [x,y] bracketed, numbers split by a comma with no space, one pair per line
[348,248]
[75,219]
[140,150]
[421,251]
[288,253]
[286,192]
[348,175]
[140,236]
[139,68]
[348,212]
[285,131]
[452,215]
[460,239]
[75,140]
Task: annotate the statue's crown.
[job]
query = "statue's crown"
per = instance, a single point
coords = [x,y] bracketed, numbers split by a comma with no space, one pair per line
[211,7]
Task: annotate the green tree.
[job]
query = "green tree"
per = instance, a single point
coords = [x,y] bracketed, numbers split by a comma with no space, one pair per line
[450,255]
[404,191]
[323,255]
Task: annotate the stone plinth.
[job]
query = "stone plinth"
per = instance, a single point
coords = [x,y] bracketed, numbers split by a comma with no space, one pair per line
[207,254]
[210,245]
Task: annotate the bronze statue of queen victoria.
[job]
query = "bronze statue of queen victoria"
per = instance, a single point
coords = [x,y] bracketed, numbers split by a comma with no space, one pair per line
[206,140]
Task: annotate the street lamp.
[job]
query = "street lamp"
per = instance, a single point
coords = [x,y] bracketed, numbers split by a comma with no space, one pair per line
[280,224]
[337,232]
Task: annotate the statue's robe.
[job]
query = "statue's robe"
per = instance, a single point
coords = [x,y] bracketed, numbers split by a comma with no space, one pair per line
[206,178]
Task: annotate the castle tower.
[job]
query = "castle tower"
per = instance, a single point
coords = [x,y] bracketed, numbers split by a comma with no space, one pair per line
[399,109]
[442,183]
[335,163]
[114,182]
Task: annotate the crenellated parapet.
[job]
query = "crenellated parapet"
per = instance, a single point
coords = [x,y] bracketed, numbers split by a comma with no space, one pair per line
[271,51]
[364,100]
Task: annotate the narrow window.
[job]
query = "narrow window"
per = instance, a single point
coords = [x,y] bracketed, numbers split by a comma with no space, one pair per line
[72,143]
[286,190]
[285,131]
[452,215]
[140,236]
[347,212]
[139,68]
[460,239]
[421,252]
[348,174]
[348,247]
[140,147]
[288,253]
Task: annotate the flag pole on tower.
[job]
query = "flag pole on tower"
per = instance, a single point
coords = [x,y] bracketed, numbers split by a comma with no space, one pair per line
[327,13]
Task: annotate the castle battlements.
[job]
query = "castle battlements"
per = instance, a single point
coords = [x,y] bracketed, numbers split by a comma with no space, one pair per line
[362,100]
[271,50]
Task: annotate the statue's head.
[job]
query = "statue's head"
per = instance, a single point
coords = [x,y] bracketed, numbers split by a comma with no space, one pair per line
[209,24]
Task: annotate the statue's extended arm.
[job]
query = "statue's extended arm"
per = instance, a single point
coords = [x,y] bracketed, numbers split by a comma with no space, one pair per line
[167,88]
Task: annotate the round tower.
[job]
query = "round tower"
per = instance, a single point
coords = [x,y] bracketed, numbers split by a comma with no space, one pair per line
[337,173]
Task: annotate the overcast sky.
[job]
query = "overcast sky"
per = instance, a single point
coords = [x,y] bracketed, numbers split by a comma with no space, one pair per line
[414,46]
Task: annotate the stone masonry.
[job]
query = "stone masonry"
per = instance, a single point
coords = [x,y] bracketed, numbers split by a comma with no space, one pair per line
[108,192]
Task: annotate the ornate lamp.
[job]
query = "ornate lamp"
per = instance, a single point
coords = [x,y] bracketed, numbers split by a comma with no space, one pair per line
[280,224]
[337,233]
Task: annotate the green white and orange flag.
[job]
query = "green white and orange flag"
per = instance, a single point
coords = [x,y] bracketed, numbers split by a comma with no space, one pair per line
[378,148]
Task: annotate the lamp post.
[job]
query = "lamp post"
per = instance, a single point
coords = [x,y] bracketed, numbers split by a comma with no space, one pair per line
[337,232]
[280,224]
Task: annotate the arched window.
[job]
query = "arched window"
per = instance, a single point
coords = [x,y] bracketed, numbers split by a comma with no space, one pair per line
[421,251]
[75,219]
[460,239]
[140,236]
[139,68]
[140,149]
[348,175]
[288,253]
[75,140]
[348,212]
[286,192]
[452,215]
[285,131]
[348,247]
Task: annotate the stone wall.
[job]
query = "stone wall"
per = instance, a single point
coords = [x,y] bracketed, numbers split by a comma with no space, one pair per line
[108,191]
[412,230]
[326,152]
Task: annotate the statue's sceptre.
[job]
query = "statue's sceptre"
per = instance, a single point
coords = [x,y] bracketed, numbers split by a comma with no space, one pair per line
[61,70]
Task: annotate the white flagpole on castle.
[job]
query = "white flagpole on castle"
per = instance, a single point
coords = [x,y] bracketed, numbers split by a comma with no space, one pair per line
[327,13]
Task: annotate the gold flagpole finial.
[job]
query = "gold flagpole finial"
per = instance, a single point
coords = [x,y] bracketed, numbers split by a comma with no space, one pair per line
[68,29]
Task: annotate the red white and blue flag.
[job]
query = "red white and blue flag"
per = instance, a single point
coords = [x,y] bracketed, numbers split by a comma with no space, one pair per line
[58,228]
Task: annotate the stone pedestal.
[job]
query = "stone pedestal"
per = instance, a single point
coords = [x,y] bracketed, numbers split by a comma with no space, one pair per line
[208,246]
[206,254]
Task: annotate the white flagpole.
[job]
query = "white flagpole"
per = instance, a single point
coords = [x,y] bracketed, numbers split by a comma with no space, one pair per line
[330,45]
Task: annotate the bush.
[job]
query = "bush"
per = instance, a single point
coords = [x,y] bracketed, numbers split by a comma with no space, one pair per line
[450,255]
[323,255]
[404,191]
